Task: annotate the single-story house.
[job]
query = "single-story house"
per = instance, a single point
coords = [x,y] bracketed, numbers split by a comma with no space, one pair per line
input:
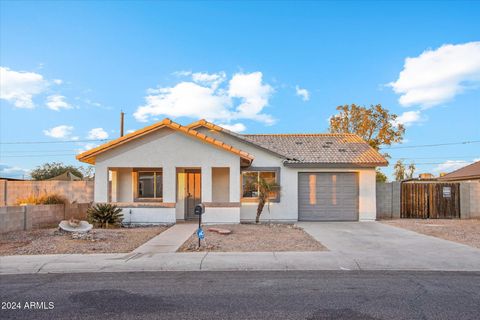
[159,173]
[467,173]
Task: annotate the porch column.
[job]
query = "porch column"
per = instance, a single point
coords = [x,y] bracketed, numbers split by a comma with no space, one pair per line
[101,184]
[206,184]
[169,184]
[114,187]
[235,183]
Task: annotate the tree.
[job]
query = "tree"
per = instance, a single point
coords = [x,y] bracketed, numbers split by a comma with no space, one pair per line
[399,170]
[265,189]
[411,170]
[381,177]
[53,169]
[376,125]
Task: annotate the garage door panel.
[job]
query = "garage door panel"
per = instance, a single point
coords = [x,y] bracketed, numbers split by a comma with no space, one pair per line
[328,196]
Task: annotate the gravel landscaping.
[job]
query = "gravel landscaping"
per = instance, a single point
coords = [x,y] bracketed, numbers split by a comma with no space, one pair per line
[53,241]
[254,238]
[462,231]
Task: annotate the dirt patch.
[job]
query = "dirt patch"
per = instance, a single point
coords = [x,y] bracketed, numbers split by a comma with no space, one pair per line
[254,238]
[462,231]
[52,241]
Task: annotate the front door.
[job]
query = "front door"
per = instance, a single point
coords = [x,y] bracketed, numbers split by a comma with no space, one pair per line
[193,195]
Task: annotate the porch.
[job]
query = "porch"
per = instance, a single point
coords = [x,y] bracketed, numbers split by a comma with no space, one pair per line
[170,194]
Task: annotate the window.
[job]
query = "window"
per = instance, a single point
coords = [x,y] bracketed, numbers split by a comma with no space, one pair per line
[250,180]
[150,184]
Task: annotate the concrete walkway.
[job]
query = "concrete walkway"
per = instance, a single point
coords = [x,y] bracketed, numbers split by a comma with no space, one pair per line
[353,246]
[169,240]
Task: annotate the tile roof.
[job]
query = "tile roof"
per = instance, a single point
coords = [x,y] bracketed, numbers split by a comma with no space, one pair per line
[89,156]
[338,148]
[468,172]
[326,148]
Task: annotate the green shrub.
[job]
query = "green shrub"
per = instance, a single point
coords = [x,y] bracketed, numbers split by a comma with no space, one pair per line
[103,214]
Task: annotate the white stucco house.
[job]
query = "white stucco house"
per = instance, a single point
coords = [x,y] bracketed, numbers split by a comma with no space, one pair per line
[159,173]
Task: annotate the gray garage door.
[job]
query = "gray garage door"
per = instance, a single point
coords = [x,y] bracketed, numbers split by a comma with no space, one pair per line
[328,196]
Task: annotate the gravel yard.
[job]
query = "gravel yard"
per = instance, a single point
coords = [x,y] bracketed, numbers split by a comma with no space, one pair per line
[462,231]
[52,241]
[254,238]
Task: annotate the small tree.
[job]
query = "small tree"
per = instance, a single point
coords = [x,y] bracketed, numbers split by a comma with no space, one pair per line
[53,169]
[265,189]
[399,171]
[381,177]
[411,170]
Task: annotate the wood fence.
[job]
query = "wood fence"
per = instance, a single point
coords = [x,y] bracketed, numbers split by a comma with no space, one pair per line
[430,200]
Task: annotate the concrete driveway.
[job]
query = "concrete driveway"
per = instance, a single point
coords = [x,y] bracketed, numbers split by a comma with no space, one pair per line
[373,245]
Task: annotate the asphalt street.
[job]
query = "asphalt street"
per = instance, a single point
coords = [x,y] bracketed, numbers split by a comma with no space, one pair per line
[243,295]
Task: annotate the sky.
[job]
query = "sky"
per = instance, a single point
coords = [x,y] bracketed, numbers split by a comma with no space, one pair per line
[67,70]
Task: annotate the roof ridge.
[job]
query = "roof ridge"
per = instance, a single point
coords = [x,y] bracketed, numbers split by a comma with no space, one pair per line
[298,134]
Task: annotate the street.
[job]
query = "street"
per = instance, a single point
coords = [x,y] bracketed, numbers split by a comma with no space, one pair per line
[315,295]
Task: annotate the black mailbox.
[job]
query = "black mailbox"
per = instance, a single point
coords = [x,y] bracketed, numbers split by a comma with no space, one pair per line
[199,209]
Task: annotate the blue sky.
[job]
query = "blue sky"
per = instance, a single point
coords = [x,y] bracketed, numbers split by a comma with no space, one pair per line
[68,68]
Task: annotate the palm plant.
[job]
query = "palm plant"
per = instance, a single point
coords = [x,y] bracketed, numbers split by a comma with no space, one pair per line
[265,189]
[104,214]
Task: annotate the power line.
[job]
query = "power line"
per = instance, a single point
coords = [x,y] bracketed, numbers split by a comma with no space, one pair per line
[59,141]
[433,145]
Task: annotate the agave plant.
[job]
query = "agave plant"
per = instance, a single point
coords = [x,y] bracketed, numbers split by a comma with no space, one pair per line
[103,214]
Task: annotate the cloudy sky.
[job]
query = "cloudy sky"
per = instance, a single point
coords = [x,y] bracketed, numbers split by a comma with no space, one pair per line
[68,68]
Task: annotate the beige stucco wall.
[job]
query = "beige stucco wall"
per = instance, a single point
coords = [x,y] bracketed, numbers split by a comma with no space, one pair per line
[169,150]
[220,184]
[287,208]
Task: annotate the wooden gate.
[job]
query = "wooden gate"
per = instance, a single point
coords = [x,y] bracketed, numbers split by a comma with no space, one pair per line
[430,200]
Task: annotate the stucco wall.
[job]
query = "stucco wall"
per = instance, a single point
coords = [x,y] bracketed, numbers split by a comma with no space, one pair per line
[220,184]
[136,215]
[287,208]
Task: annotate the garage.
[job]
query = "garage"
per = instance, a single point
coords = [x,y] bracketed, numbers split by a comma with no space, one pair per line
[328,196]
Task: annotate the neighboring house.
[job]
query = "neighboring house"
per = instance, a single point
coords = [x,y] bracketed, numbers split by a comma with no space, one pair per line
[159,173]
[66,176]
[467,173]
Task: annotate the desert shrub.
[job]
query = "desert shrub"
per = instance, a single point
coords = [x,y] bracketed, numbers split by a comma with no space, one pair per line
[51,198]
[104,214]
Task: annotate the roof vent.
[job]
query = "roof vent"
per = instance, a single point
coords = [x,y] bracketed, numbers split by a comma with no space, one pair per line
[298,142]
[325,146]
[342,150]
[329,142]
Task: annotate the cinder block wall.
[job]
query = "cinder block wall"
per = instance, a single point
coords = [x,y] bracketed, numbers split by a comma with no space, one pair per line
[388,200]
[74,191]
[470,200]
[16,218]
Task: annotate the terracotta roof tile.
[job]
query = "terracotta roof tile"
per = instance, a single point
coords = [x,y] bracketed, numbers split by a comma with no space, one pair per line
[468,172]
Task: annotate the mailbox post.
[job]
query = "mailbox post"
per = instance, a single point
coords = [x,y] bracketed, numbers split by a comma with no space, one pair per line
[199,210]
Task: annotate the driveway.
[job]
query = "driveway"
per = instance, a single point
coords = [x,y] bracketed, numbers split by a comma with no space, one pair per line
[373,245]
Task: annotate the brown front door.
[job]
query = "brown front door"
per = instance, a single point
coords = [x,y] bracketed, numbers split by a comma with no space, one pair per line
[193,195]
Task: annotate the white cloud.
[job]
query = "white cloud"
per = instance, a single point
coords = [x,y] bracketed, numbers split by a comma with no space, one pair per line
[130,131]
[451,165]
[303,93]
[57,102]
[87,146]
[97,133]
[7,171]
[19,87]
[60,132]
[236,127]
[437,76]
[408,118]
[58,81]
[244,97]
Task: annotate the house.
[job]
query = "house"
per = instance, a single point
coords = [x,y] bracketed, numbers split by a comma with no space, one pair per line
[159,173]
[467,173]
